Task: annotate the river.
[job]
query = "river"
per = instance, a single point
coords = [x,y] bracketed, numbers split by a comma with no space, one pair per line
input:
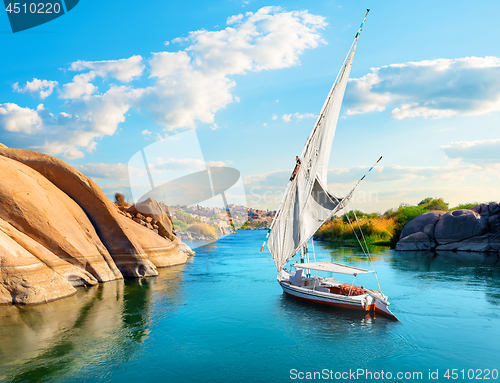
[222,317]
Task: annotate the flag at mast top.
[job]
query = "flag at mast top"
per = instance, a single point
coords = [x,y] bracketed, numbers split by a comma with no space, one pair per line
[361,26]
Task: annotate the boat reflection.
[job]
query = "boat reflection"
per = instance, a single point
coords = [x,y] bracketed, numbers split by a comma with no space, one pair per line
[324,320]
[96,326]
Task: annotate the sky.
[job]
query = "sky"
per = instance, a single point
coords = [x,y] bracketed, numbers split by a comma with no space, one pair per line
[108,79]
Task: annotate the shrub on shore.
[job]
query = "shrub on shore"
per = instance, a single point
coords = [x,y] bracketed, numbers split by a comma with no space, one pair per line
[179,225]
[204,229]
[377,230]
[120,199]
[380,228]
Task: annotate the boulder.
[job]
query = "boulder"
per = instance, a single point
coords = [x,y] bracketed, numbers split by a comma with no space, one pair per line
[425,221]
[151,208]
[494,224]
[184,248]
[494,208]
[161,251]
[25,279]
[415,241]
[126,252]
[458,225]
[485,210]
[495,243]
[164,230]
[479,243]
[36,207]
[476,209]
[73,274]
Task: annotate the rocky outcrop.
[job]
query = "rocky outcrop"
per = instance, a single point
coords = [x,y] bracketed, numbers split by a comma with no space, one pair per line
[476,229]
[458,225]
[25,279]
[127,254]
[160,251]
[415,241]
[58,230]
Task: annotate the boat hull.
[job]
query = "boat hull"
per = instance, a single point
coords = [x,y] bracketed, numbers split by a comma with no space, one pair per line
[344,302]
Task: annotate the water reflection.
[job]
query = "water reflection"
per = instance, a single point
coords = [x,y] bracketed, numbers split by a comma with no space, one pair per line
[442,264]
[326,321]
[476,271]
[353,254]
[97,326]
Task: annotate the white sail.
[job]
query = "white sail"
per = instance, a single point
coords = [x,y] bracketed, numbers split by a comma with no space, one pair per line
[308,204]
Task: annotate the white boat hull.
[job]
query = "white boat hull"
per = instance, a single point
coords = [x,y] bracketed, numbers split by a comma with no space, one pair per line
[370,302]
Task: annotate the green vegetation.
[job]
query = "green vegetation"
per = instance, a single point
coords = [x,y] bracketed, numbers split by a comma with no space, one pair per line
[186,222]
[377,230]
[186,217]
[380,229]
[255,224]
[179,225]
[205,229]
[465,206]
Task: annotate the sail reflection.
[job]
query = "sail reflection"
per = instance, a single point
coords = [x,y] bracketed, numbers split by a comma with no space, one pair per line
[97,326]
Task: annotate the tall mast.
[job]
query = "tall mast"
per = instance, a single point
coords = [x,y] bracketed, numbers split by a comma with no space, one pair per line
[314,131]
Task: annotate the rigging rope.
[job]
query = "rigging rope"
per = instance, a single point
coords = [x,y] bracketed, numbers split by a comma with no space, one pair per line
[367,249]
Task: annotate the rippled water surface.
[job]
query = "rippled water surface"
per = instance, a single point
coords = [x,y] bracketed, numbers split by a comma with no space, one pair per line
[222,318]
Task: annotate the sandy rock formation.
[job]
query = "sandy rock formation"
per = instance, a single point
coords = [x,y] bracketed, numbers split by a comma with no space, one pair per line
[162,252]
[58,230]
[127,254]
[73,274]
[25,279]
[35,207]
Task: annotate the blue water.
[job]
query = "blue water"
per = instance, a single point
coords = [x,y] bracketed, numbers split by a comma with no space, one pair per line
[222,318]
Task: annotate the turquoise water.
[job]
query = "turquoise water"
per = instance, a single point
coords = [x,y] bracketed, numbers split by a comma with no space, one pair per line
[222,318]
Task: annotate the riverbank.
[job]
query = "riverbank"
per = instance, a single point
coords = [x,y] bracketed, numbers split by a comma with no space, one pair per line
[382,229]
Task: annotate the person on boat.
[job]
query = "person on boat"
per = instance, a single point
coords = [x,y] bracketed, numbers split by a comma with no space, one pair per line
[296,170]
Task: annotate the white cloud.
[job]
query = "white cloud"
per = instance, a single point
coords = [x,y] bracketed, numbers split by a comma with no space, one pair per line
[234,19]
[20,120]
[124,70]
[274,117]
[388,186]
[193,84]
[67,133]
[431,88]
[298,116]
[268,39]
[104,171]
[43,88]
[475,152]
[388,173]
[146,132]
[80,88]
[185,87]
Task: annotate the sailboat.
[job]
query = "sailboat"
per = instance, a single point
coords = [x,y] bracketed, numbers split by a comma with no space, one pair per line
[306,205]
